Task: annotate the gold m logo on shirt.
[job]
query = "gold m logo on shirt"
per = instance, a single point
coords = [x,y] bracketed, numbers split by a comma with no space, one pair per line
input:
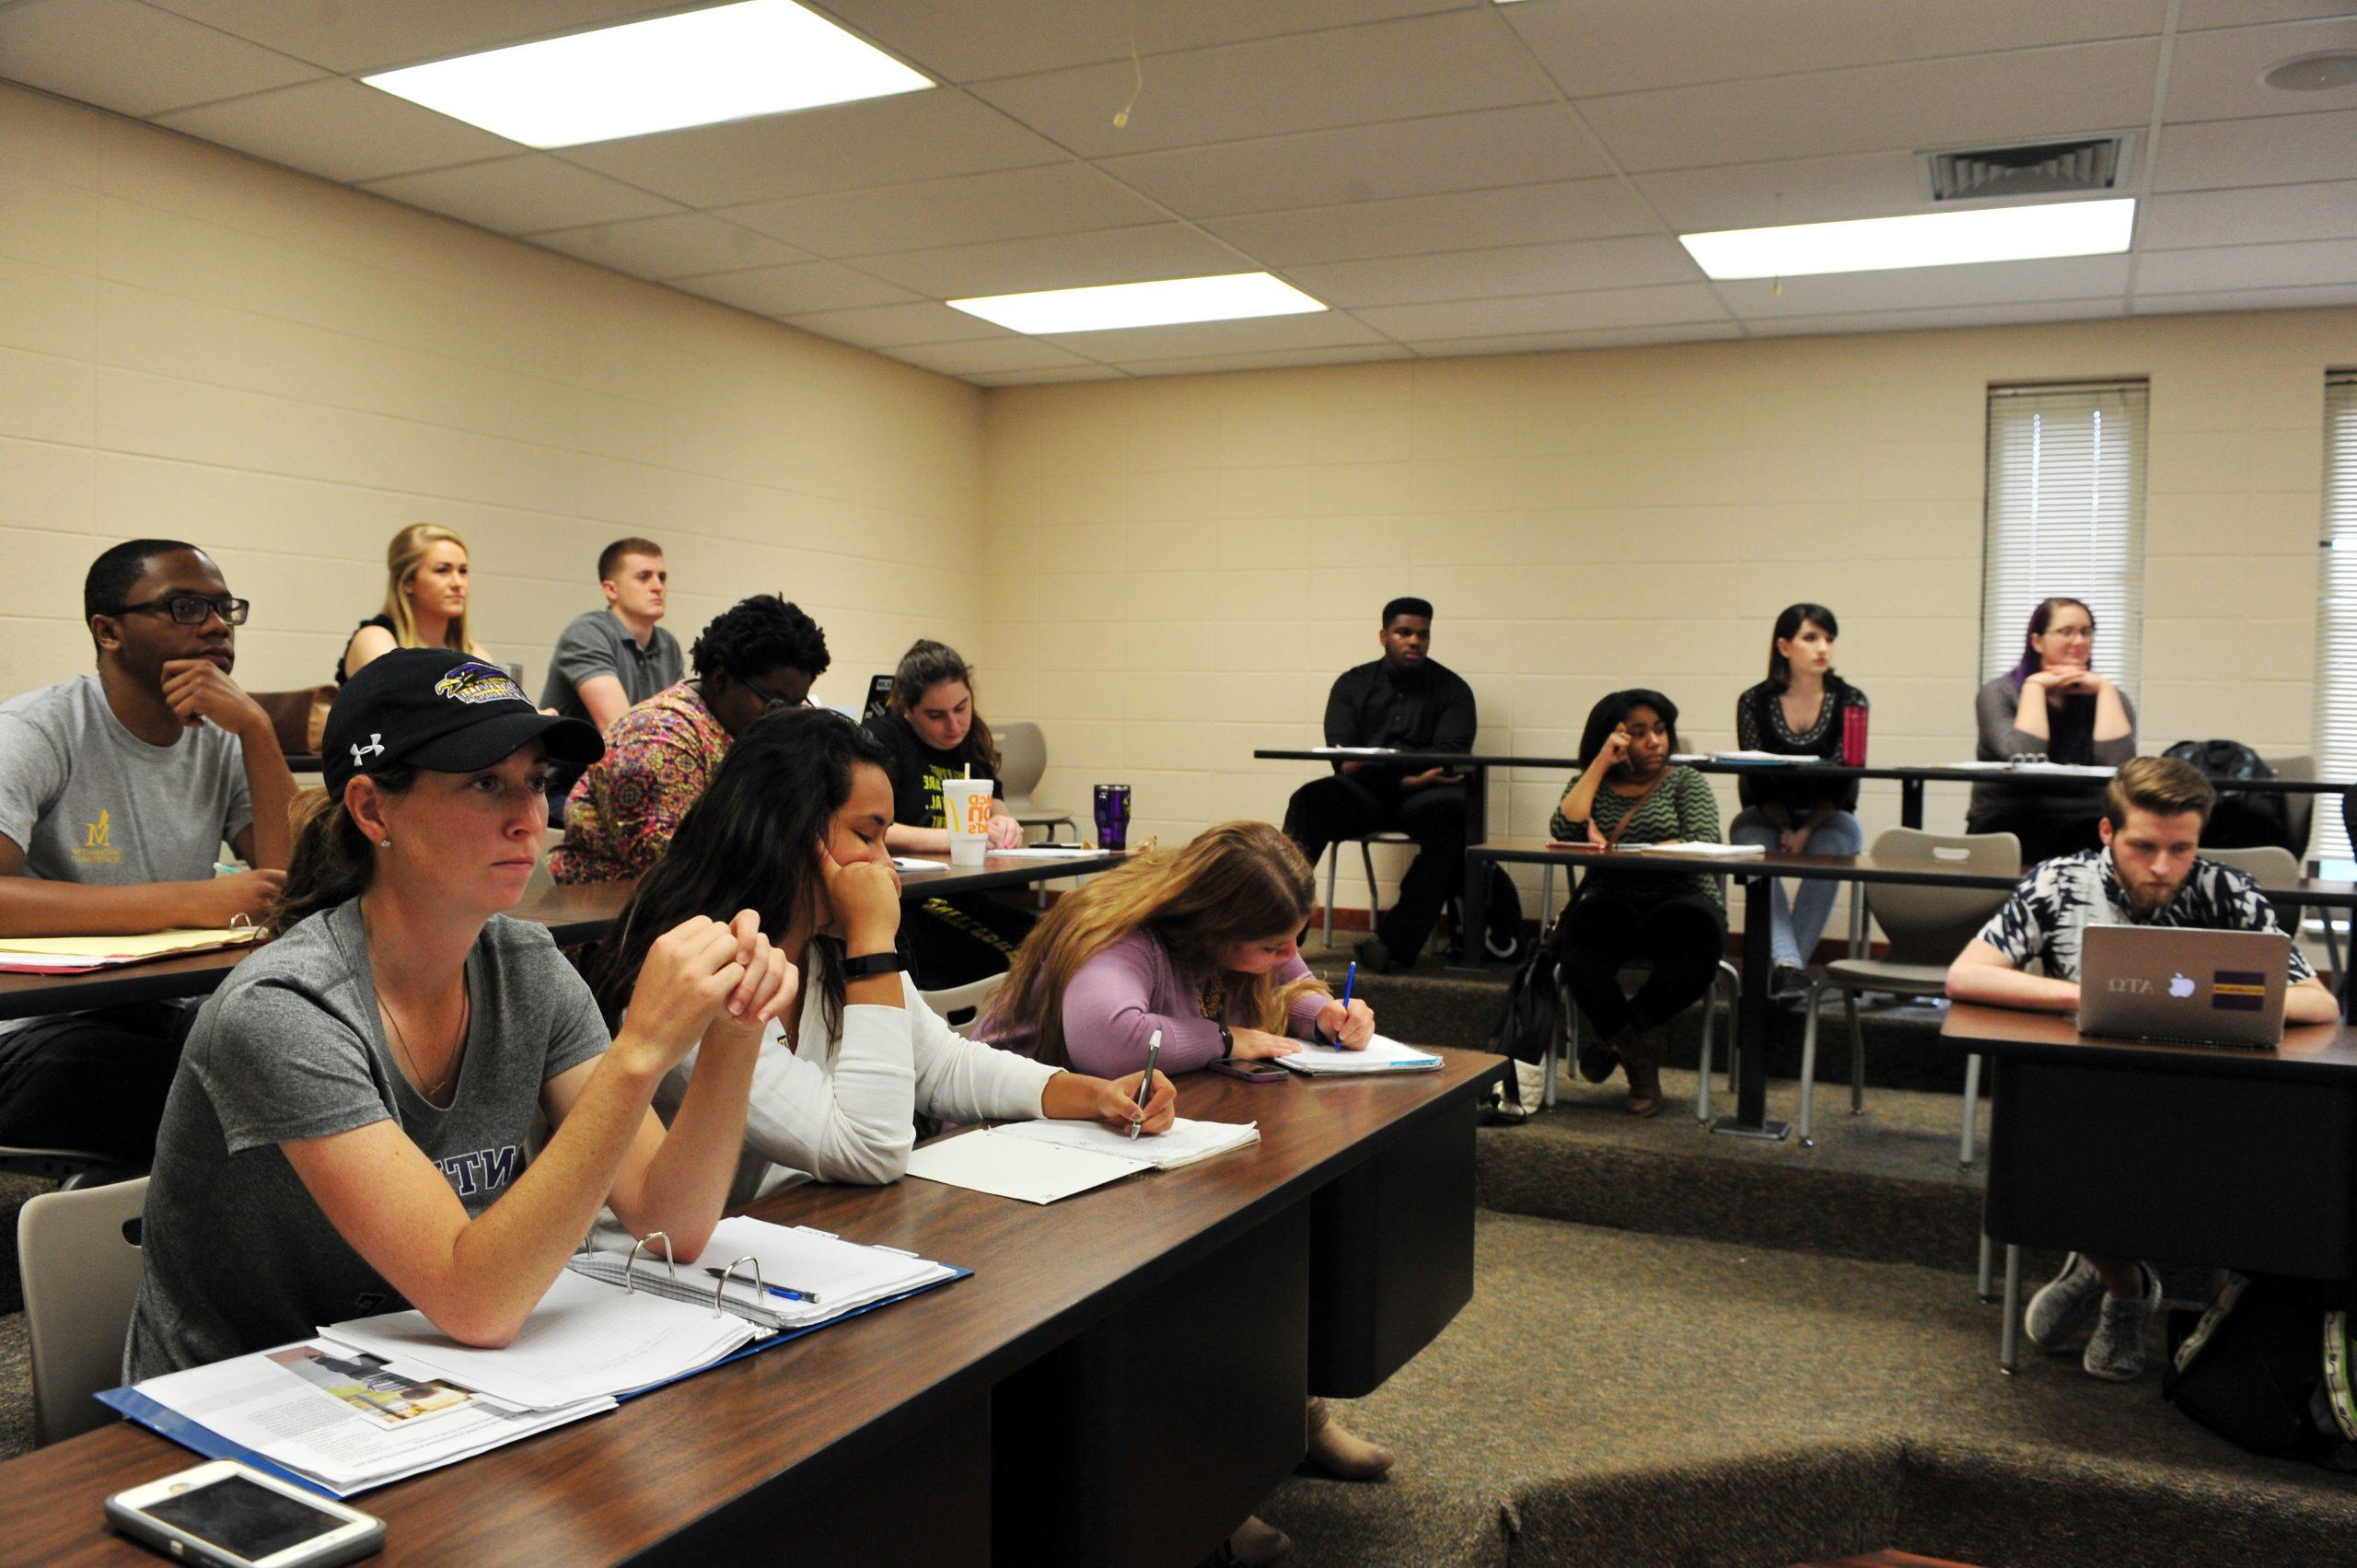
[94,834]
[97,847]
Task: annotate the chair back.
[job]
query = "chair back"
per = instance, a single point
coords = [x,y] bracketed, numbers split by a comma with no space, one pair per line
[2274,866]
[1022,758]
[79,1254]
[2299,810]
[1931,924]
[297,717]
[969,999]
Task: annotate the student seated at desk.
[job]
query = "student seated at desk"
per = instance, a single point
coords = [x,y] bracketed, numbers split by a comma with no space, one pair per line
[2051,703]
[757,656]
[1627,792]
[1798,711]
[792,828]
[2148,873]
[347,1133]
[425,600]
[934,732]
[117,790]
[1199,944]
[607,659]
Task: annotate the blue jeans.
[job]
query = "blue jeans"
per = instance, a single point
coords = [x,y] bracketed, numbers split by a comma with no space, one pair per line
[1798,923]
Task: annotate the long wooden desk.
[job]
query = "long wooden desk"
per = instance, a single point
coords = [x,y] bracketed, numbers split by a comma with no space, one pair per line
[1756,872]
[1154,1312]
[2184,1154]
[574,914]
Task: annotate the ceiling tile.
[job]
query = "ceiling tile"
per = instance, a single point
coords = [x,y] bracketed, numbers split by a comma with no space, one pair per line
[961,40]
[844,147]
[132,58]
[1614,46]
[374,35]
[1668,304]
[1325,328]
[1045,377]
[792,291]
[990,354]
[2200,14]
[521,195]
[674,246]
[1912,289]
[2269,213]
[896,326]
[1549,343]
[1437,64]
[2246,299]
[2278,150]
[1995,97]
[1522,215]
[2215,76]
[1277,359]
[1013,203]
[2248,266]
[1819,190]
[1523,145]
[2016,314]
[1067,260]
[1521,269]
[339,130]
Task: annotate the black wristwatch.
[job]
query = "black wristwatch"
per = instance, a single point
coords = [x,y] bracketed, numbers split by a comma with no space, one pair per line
[1226,1043]
[886,962]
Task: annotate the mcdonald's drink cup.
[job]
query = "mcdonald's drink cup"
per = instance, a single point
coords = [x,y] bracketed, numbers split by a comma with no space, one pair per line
[968,802]
[1853,736]
[1112,816]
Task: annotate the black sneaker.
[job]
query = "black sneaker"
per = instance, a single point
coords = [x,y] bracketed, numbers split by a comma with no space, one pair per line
[1371,954]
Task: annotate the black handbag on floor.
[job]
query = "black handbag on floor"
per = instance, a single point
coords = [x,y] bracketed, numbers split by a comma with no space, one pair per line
[1532,1016]
[2267,1368]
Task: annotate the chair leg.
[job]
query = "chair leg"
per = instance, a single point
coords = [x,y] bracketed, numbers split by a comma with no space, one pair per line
[1732,978]
[1570,1046]
[1373,899]
[1333,868]
[1972,1109]
[1708,1059]
[2009,1356]
[1546,899]
[1988,1253]
[1857,1055]
[1816,989]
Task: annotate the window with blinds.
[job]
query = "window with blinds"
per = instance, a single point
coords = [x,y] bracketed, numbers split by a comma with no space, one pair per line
[2337,612]
[2066,516]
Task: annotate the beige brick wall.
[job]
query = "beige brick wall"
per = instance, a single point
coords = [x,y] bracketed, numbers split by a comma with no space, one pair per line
[1183,565]
[196,344]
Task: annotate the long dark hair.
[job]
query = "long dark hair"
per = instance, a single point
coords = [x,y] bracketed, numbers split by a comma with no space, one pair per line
[333,861]
[1788,626]
[751,842]
[2032,661]
[1614,706]
[926,666]
[2071,724]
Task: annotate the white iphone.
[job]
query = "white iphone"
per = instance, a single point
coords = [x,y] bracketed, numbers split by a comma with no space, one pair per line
[227,1515]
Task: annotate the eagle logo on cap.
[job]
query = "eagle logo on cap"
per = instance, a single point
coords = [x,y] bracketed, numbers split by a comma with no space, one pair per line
[477,683]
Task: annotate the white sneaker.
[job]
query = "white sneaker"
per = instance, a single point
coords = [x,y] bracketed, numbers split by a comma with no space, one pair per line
[2063,1304]
[2116,1351]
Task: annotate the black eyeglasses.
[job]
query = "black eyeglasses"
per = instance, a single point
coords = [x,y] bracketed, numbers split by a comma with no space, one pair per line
[191,610]
[770,702]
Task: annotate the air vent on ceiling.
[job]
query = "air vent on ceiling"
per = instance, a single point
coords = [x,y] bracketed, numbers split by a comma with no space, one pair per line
[2039,168]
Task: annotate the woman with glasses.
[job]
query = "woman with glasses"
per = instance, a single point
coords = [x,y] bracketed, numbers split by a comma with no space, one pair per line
[757,658]
[2052,704]
[425,600]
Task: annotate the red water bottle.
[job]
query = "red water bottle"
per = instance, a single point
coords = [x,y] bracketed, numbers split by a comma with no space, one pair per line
[1853,736]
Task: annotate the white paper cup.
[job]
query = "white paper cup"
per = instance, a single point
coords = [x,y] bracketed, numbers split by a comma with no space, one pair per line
[968,804]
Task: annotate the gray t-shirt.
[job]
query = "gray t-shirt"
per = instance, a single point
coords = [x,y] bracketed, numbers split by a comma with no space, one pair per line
[597,643]
[88,801]
[238,1256]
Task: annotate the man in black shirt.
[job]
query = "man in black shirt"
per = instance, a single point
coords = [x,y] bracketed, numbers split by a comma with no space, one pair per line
[1406,701]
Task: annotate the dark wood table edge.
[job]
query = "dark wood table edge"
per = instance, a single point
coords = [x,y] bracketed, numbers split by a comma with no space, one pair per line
[2149,1055]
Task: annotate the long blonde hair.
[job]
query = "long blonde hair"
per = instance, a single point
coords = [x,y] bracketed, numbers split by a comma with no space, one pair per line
[1238,882]
[403,558]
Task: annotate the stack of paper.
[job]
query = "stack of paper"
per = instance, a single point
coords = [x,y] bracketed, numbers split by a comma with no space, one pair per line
[1039,1162]
[833,1277]
[1382,1055]
[79,955]
[1693,846]
[1044,852]
[1760,757]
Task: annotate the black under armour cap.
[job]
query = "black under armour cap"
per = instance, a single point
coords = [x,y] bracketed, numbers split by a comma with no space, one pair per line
[433,708]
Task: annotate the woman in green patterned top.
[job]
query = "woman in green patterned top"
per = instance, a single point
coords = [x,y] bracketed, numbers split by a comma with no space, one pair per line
[1627,792]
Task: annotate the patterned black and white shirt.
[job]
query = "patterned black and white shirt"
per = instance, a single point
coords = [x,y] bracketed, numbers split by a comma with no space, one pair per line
[2061,898]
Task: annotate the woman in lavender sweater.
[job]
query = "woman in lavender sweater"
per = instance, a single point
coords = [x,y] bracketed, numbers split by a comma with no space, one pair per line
[1199,944]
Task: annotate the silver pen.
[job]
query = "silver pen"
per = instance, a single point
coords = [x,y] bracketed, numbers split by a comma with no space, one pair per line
[1145,1080]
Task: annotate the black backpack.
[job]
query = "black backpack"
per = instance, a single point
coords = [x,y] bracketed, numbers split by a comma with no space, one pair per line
[1501,935]
[2267,1368]
[2243,819]
[1532,1016]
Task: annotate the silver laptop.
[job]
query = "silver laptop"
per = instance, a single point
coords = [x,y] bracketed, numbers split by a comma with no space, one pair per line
[2173,983]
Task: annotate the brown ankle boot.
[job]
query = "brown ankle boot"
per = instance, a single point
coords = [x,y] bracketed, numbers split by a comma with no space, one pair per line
[1642,1054]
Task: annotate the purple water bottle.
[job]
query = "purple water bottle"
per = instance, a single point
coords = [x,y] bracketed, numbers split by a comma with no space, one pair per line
[1112,816]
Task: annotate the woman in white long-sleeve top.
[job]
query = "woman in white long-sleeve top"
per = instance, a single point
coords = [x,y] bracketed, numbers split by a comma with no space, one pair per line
[792,825]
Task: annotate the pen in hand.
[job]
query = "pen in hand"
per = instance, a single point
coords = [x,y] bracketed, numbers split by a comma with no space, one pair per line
[807,1296]
[1350,979]
[1145,1080]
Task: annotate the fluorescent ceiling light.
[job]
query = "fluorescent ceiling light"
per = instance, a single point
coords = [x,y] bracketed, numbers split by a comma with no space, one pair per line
[1929,239]
[1173,300]
[696,68]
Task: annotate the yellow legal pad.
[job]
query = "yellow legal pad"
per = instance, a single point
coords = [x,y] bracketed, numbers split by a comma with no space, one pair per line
[61,955]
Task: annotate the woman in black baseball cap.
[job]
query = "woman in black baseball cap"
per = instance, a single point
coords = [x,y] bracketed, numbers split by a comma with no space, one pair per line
[348,1125]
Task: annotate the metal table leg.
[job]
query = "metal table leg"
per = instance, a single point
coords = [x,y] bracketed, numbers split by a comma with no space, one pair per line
[1750,1118]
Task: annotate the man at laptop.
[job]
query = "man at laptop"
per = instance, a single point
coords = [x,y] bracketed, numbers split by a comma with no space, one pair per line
[2148,873]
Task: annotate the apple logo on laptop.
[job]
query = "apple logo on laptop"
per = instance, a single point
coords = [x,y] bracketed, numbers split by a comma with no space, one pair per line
[2179,986]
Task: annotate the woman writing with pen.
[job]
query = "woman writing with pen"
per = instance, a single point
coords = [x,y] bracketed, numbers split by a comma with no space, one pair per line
[1195,948]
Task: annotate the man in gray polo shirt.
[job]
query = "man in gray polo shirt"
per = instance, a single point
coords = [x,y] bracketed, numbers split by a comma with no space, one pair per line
[610,661]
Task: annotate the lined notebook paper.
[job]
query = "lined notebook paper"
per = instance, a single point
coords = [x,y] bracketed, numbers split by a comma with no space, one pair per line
[1382,1054]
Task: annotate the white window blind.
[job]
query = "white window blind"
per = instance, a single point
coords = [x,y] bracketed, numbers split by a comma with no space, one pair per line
[2337,612]
[2066,516]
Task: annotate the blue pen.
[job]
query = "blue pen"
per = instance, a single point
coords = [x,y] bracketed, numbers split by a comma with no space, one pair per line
[803,1296]
[1348,980]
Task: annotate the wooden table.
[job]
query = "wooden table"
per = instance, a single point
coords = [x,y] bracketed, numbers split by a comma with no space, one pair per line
[575,914]
[1757,872]
[2185,1154]
[1101,1390]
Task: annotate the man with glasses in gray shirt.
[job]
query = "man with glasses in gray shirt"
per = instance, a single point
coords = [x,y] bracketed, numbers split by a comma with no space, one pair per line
[117,789]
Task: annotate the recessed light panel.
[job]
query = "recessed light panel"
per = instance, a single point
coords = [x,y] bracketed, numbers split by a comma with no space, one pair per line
[1929,239]
[696,68]
[1168,303]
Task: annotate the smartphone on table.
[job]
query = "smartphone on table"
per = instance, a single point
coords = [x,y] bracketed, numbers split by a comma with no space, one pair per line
[1250,1071]
[229,1515]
